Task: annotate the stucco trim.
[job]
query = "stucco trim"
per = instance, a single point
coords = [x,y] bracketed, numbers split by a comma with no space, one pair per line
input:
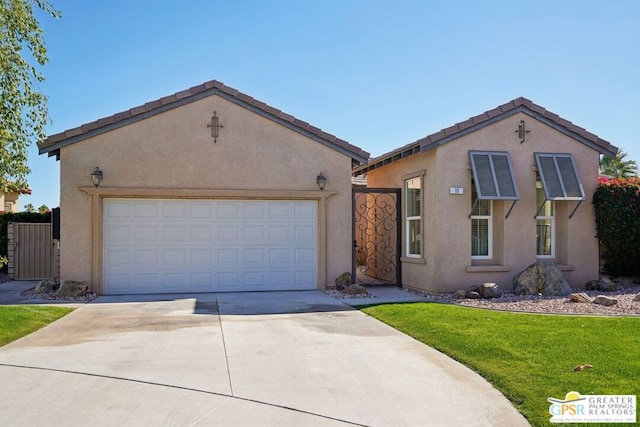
[98,194]
[487,268]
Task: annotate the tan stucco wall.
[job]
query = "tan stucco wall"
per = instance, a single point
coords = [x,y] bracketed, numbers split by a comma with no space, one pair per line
[175,150]
[447,263]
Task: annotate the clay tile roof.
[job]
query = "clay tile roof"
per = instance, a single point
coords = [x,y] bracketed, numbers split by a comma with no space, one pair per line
[514,106]
[53,143]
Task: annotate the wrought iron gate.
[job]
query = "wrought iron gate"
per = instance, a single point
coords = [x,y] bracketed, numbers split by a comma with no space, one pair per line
[376,236]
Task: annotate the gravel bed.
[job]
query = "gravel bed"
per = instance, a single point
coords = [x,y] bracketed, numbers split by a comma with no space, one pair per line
[339,295]
[51,296]
[551,305]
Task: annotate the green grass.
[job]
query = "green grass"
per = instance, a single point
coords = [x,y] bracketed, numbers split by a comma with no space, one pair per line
[16,321]
[528,357]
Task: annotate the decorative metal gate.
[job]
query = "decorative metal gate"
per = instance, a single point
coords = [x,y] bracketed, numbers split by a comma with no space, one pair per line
[376,236]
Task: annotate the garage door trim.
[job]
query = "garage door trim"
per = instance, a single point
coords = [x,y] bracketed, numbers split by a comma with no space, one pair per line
[98,194]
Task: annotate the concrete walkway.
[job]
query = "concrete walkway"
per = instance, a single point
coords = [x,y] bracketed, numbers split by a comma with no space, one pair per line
[241,359]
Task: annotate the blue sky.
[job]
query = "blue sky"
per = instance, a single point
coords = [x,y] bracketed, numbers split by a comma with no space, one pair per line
[378,74]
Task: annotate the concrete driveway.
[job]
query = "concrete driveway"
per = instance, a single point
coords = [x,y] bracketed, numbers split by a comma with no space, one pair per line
[250,359]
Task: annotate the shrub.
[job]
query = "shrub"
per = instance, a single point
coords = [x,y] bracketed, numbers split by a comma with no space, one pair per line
[617,209]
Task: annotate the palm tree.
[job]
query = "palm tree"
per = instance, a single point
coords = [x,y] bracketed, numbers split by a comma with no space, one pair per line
[618,167]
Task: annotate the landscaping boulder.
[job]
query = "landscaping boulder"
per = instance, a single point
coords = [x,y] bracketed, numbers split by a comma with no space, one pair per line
[489,290]
[461,293]
[637,298]
[580,297]
[605,300]
[607,285]
[71,288]
[541,277]
[355,290]
[472,295]
[591,285]
[46,285]
[343,281]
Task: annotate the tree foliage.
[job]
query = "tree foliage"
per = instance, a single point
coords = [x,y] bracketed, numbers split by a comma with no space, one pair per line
[617,209]
[618,166]
[23,107]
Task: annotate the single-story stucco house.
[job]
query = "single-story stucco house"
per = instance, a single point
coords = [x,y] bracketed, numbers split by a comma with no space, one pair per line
[204,190]
[486,197]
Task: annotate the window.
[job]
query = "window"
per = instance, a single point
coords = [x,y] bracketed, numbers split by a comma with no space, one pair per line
[413,209]
[481,227]
[492,180]
[545,224]
[559,177]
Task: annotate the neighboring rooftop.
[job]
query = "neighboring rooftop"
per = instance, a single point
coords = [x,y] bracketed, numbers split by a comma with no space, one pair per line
[53,143]
[488,117]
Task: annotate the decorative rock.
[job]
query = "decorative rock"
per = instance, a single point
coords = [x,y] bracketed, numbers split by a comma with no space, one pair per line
[46,285]
[637,298]
[489,290]
[580,297]
[542,277]
[474,288]
[605,300]
[591,285]
[355,290]
[343,281]
[461,293]
[472,295]
[607,285]
[71,288]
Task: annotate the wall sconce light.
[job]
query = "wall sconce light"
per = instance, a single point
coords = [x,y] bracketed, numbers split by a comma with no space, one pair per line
[322,181]
[215,127]
[96,176]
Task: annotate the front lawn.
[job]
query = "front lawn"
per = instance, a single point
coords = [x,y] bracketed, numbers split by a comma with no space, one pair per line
[16,321]
[528,357]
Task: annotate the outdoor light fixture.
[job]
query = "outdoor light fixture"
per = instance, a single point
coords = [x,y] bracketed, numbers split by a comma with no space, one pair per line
[215,127]
[322,181]
[96,176]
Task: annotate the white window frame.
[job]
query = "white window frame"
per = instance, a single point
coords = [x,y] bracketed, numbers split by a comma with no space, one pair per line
[552,219]
[489,219]
[410,219]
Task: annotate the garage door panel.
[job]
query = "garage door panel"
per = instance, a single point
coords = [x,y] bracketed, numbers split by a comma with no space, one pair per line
[177,210]
[147,209]
[228,256]
[146,233]
[147,258]
[118,258]
[201,233]
[172,257]
[155,246]
[117,233]
[253,233]
[175,233]
[227,233]
[305,233]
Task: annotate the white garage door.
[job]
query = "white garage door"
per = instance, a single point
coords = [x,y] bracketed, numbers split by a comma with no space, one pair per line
[162,246]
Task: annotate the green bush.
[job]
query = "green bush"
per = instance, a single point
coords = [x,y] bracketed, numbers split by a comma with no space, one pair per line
[8,217]
[617,209]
